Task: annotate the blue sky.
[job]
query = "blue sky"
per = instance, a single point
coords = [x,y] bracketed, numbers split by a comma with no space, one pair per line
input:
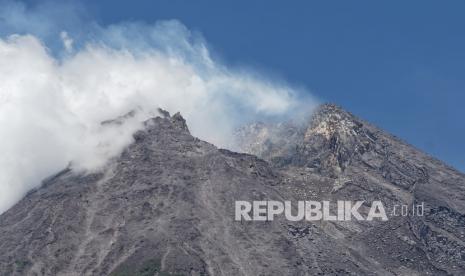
[397,64]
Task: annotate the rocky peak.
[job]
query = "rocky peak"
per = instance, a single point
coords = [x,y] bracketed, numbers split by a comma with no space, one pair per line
[330,120]
[179,121]
[335,137]
[327,142]
[166,121]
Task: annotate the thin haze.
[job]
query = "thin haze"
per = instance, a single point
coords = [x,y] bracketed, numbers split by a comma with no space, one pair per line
[58,82]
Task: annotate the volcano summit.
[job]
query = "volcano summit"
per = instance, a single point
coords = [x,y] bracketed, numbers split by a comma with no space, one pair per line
[165,206]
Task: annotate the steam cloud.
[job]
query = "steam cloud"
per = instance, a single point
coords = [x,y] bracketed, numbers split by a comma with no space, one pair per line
[56,88]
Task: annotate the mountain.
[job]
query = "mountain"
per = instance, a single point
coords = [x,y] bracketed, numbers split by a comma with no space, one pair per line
[166,206]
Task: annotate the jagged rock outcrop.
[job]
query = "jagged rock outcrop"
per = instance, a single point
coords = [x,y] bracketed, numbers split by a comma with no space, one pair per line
[166,207]
[356,161]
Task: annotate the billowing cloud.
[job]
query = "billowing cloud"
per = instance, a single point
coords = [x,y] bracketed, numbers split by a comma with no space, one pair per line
[52,103]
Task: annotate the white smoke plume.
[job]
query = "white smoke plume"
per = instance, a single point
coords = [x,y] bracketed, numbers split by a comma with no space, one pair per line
[52,100]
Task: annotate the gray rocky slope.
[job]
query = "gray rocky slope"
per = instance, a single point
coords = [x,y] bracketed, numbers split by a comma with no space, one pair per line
[166,207]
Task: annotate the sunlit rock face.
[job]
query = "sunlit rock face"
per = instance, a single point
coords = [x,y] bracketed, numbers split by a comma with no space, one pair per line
[326,142]
[165,206]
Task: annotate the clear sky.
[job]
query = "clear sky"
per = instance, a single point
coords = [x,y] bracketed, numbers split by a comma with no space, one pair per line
[397,64]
